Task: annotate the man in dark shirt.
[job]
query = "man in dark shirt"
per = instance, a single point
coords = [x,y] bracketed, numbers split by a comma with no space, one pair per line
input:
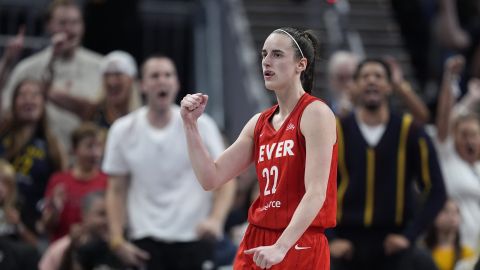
[387,167]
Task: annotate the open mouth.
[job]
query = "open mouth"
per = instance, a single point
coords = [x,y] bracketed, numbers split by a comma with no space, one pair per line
[162,94]
[268,73]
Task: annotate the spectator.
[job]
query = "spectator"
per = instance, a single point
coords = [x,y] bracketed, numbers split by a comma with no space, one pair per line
[11,225]
[172,220]
[28,143]
[380,156]
[119,97]
[17,242]
[458,145]
[341,67]
[65,62]
[86,247]
[66,189]
[443,238]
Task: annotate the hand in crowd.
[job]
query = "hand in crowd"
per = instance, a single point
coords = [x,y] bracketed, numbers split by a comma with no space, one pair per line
[210,229]
[192,106]
[131,254]
[59,197]
[58,43]
[395,243]
[397,71]
[341,248]
[454,65]
[14,46]
[474,88]
[12,215]
[267,256]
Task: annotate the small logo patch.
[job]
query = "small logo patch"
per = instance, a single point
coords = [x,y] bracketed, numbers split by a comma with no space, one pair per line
[290,127]
[297,247]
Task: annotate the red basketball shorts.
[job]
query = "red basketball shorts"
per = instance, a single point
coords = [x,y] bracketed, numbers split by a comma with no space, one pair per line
[311,251]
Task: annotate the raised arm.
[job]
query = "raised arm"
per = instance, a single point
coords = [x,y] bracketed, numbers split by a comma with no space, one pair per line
[404,89]
[453,68]
[319,129]
[11,53]
[213,173]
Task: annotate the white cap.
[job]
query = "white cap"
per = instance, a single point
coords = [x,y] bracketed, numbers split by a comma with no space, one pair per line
[119,61]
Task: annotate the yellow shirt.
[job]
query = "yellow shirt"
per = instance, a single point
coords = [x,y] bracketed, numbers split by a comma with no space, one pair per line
[444,257]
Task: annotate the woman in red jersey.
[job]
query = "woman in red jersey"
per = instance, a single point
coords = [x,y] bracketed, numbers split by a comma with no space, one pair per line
[293,146]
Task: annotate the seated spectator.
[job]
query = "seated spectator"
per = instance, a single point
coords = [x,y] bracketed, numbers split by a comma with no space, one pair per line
[119,97]
[66,189]
[27,142]
[443,238]
[86,246]
[17,243]
[64,62]
[458,147]
[11,226]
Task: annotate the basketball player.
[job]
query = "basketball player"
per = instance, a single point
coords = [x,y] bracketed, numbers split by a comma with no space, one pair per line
[293,146]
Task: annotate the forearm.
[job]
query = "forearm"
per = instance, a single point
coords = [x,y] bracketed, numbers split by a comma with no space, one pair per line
[413,102]
[445,104]
[116,204]
[303,216]
[26,235]
[80,107]
[202,163]
[223,200]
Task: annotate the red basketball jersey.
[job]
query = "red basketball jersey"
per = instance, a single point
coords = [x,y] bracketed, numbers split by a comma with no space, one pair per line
[280,164]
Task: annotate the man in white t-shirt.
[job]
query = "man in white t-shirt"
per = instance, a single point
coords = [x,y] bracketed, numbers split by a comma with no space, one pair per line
[73,68]
[171,219]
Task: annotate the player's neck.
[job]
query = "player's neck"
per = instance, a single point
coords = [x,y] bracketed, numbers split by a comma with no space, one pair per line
[287,100]
[373,117]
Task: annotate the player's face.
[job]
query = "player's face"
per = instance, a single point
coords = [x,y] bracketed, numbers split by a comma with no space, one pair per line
[67,20]
[117,86]
[160,83]
[279,64]
[29,103]
[372,86]
[467,140]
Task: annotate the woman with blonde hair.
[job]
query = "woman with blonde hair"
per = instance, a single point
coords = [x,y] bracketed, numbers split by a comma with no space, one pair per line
[119,97]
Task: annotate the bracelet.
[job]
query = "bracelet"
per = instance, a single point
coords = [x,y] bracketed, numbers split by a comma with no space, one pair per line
[115,242]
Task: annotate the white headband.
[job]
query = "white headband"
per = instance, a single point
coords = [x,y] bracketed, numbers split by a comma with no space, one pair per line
[288,34]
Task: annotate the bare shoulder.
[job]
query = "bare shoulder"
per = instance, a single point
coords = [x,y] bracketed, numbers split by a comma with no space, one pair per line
[317,111]
[318,118]
[249,128]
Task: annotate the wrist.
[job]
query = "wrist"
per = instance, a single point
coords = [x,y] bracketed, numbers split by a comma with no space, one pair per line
[282,247]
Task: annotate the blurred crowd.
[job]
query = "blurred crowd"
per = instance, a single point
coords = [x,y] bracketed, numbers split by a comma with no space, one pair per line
[81,190]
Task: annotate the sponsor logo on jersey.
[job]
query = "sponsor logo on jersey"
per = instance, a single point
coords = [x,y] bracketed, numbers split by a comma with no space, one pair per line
[271,204]
[276,150]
